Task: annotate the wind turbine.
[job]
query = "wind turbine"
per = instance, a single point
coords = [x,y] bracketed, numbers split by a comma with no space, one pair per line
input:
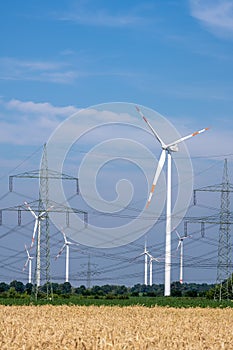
[29,260]
[66,245]
[37,227]
[151,259]
[167,149]
[145,253]
[181,245]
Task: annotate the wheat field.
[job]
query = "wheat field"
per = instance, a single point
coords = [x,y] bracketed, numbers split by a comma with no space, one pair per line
[105,327]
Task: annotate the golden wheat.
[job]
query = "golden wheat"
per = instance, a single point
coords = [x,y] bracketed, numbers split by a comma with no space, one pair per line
[102,328]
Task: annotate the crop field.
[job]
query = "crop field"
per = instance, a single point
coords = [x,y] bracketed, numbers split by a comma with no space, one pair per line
[114,327]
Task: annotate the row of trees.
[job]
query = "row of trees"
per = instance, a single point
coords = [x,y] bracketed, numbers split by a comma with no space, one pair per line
[65,289]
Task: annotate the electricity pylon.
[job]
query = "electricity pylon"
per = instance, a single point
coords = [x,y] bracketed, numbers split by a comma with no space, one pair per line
[44,175]
[224,244]
[224,219]
[44,243]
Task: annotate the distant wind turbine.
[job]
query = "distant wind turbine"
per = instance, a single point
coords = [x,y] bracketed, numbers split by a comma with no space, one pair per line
[145,253]
[66,245]
[167,150]
[151,259]
[28,261]
[181,245]
[37,228]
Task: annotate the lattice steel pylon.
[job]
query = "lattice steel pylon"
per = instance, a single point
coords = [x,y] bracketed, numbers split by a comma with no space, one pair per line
[44,245]
[42,279]
[224,243]
[224,219]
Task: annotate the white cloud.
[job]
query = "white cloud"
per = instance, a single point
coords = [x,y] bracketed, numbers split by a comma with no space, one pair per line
[30,123]
[39,108]
[101,18]
[92,14]
[216,15]
[54,72]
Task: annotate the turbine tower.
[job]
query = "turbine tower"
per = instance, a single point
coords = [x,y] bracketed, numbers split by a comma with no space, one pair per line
[67,246]
[167,150]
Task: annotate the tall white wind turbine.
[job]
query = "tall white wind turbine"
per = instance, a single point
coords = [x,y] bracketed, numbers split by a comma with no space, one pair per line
[151,259]
[145,253]
[181,245]
[28,261]
[66,245]
[37,228]
[167,149]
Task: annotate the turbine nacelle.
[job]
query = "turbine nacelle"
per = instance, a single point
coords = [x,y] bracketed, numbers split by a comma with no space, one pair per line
[172,148]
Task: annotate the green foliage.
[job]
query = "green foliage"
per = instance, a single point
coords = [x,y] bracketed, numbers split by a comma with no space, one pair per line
[183,295]
[4,287]
[223,291]
[19,286]
[122,301]
[12,293]
[28,288]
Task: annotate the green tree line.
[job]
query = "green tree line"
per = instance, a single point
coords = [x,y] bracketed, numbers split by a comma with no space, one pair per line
[18,289]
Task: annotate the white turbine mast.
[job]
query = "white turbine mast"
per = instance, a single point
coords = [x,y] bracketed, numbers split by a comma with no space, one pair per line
[181,246]
[28,261]
[66,245]
[167,149]
[37,228]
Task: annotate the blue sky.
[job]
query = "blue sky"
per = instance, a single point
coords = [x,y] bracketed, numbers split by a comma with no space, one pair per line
[171,56]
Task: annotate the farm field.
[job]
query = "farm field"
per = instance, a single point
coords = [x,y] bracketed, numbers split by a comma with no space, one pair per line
[114,327]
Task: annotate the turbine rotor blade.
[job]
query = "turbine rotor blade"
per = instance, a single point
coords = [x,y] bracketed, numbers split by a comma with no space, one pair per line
[27,251]
[157,173]
[72,243]
[29,208]
[25,265]
[149,255]
[64,235]
[178,245]
[187,137]
[42,215]
[156,259]
[60,251]
[34,232]
[150,126]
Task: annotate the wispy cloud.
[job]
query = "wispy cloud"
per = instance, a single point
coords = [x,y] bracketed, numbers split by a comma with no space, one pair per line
[50,72]
[92,14]
[101,18]
[53,72]
[216,15]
